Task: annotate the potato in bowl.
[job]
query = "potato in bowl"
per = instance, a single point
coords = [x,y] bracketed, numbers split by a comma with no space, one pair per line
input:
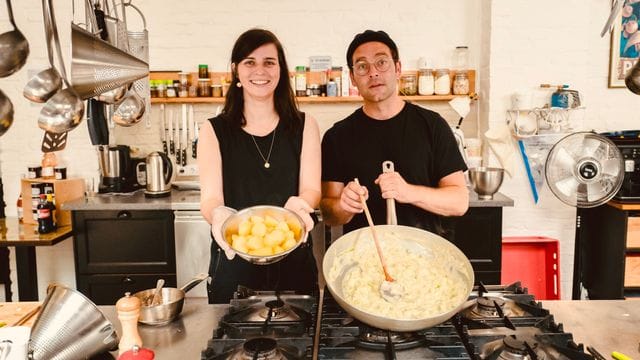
[264,234]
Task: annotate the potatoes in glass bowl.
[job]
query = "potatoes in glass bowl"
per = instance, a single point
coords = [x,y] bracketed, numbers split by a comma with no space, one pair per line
[264,234]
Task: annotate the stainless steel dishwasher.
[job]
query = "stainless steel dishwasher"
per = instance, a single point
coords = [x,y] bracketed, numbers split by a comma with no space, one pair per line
[193,243]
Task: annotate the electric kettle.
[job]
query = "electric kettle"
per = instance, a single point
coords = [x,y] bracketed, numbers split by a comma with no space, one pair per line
[159,175]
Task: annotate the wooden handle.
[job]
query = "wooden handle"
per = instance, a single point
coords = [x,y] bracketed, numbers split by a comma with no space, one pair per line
[392,218]
[128,312]
[375,236]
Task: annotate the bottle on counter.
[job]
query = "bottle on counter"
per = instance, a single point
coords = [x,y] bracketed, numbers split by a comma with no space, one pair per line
[45,216]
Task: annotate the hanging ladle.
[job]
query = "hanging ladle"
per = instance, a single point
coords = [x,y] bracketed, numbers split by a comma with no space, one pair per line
[6,113]
[64,111]
[390,290]
[47,82]
[14,48]
[130,110]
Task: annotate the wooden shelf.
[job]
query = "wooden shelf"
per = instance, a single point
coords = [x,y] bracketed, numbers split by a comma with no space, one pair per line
[302,100]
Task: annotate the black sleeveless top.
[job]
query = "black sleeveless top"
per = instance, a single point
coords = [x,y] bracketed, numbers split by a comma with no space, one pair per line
[246,181]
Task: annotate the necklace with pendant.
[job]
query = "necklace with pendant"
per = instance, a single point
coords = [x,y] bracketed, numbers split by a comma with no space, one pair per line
[266,159]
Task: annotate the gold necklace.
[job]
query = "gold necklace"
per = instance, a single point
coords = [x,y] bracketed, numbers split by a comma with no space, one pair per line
[266,160]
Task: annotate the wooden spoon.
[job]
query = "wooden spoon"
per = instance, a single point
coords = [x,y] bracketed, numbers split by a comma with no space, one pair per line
[389,289]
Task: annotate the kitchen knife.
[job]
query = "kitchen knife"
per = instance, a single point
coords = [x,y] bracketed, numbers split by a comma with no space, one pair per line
[194,145]
[185,133]
[163,131]
[192,132]
[176,135]
[170,131]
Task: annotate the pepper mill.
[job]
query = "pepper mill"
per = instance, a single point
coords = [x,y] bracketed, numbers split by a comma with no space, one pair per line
[137,354]
[128,308]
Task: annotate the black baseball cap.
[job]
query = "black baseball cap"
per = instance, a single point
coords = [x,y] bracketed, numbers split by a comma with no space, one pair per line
[369,36]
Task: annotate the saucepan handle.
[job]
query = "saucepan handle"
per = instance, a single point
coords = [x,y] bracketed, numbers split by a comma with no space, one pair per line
[392,219]
[195,281]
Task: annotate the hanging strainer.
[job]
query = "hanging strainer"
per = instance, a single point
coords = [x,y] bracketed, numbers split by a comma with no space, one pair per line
[97,66]
[70,326]
[139,47]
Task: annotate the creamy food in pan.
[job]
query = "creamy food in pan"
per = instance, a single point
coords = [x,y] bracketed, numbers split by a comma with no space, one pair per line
[432,280]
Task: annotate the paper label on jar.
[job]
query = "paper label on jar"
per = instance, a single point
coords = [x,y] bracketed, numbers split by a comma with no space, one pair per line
[47,171]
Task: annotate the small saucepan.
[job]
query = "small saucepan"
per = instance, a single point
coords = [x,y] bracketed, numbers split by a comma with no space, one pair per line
[170,305]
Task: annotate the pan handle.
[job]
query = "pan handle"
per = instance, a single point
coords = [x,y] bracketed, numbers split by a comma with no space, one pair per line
[392,219]
[195,281]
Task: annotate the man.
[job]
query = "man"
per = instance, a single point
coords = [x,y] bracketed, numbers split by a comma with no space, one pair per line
[428,180]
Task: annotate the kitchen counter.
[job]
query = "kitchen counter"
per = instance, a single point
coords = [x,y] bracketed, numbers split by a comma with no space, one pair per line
[607,325]
[190,200]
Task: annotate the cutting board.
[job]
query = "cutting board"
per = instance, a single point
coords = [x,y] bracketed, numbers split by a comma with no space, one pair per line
[10,312]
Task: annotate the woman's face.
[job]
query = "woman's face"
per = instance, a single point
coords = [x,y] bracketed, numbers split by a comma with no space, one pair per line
[259,72]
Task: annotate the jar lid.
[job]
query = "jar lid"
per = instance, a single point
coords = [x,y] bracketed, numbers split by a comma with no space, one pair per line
[216,86]
[203,66]
[203,80]
[314,86]
[462,47]
[300,68]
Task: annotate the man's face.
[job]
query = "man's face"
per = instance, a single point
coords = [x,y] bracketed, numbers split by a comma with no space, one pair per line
[631,26]
[374,72]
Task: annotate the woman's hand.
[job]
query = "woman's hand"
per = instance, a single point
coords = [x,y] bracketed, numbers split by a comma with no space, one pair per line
[218,217]
[303,209]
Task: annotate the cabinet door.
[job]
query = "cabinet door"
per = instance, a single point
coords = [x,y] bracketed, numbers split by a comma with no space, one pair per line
[116,242]
[107,289]
[478,234]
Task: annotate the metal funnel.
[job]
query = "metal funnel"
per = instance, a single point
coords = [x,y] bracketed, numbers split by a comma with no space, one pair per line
[97,66]
[70,326]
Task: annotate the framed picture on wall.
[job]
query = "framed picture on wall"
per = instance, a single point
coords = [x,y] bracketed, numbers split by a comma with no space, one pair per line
[625,43]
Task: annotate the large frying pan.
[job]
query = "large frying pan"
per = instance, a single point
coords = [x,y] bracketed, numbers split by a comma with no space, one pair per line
[414,239]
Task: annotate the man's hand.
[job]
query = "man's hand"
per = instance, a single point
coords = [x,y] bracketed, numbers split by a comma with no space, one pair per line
[393,186]
[218,217]
[350,197]
[303,209]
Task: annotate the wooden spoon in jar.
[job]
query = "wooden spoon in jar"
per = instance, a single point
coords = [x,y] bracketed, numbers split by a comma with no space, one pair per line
[390,290]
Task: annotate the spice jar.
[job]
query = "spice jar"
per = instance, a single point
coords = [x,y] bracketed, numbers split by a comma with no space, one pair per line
[301,81]
[461,83]
[216,90]
[425,82]
[442,82]
[408,85]
[203,71]
[461,58]
[204,87]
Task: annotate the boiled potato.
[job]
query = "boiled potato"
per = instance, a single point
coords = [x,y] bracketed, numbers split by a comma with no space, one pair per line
[264,236]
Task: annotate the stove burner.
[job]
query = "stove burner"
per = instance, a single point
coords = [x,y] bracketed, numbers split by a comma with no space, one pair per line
[261,349]
[486,306]
[277,308]
[517,349]
[376,339]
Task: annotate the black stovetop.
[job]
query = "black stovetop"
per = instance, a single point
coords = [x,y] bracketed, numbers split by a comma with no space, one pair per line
[497,322]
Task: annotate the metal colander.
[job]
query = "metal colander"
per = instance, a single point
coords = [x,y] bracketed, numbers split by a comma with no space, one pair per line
[97,66]
[139,47]
[70,326]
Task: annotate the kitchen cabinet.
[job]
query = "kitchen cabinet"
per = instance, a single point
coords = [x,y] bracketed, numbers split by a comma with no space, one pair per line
[121,250]
[478,233]
[609,250]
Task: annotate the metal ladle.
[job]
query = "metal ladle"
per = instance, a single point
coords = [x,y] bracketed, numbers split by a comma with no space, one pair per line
[131,109]
[6,113]
[14,48]
[64,111]
[47,82]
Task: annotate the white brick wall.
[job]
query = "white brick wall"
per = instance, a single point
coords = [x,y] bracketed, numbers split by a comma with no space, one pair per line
[513,44]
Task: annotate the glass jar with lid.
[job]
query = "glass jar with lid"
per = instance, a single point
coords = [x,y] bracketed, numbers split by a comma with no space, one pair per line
[408,85]
[425,82]
[442,82]
[461,58]
[204,87]
[461,83]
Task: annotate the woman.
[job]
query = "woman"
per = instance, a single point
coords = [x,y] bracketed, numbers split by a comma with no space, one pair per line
[259,151]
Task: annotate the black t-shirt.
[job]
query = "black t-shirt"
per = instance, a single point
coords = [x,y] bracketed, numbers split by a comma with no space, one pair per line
[418,141]
[246,182]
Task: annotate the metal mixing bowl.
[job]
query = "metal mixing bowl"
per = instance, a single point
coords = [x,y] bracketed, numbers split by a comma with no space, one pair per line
[231,225]
[486,181]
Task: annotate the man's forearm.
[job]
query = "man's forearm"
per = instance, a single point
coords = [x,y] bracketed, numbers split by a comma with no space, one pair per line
[450,200]
[332,213]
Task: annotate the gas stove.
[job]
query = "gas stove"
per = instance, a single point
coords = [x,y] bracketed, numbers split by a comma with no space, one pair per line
[496,322]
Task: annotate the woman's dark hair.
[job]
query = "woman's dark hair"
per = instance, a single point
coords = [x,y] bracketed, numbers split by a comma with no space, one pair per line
[283,98]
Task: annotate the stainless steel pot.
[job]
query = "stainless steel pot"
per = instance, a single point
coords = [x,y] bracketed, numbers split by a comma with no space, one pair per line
[170,306]
[414,239]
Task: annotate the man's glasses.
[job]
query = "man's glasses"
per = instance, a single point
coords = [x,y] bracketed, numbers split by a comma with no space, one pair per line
[362,67]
